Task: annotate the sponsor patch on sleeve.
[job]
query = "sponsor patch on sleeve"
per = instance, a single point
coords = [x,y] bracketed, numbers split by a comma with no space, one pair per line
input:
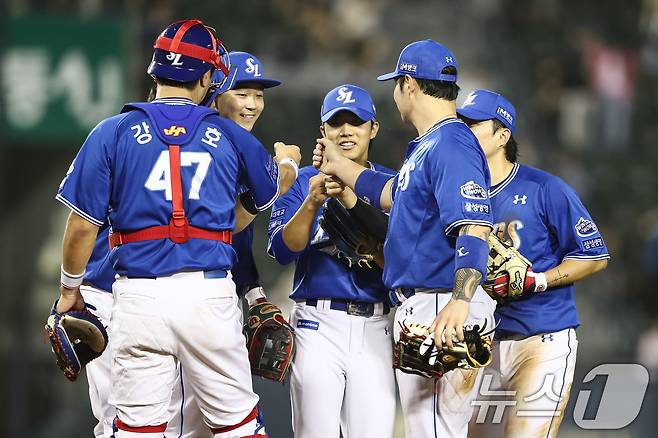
[273,224]
[585,227]
[472,190]
[308,324]
[273,169]
[475,207]
[278,213]
[593,243]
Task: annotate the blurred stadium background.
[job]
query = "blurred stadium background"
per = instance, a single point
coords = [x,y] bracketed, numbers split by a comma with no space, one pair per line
[583,76]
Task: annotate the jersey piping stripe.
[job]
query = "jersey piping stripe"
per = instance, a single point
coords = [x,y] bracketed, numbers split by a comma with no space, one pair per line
[174,101]
[81,213]
[564,375]
[467,221]
[505,182]
[437,126]
[276,195]
[593,257]
[269,243]
[436,382]
[182,403]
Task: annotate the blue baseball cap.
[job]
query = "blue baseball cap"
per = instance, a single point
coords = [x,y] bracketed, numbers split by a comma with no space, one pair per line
[250,69]
[348,97]
[487,105]
[424,60]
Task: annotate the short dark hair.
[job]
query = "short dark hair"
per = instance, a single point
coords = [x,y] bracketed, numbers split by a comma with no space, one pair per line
[511,147]
[169,83]
[439,89]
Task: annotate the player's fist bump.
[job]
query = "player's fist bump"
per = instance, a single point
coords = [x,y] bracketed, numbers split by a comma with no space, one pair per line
[283,151]
[317,192]
[327,156]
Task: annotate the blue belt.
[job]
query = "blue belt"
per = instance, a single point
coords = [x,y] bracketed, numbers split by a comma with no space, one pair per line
[351,307]
[216,273]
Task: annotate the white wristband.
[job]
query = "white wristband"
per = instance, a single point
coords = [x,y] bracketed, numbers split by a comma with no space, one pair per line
[540,282]
[254,295]
[292,163]
[71,281]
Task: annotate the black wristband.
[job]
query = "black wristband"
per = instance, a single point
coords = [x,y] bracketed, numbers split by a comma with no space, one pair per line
[371,219]
[248,203]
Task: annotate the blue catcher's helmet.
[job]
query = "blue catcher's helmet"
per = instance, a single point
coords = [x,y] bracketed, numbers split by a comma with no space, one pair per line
[186,50]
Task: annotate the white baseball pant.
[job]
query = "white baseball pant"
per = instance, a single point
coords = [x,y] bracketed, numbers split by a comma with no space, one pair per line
[439,408]
[184,318]
[342,379]
[530,379]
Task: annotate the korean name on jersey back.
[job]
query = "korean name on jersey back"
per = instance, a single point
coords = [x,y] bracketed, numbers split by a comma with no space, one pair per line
[125,175]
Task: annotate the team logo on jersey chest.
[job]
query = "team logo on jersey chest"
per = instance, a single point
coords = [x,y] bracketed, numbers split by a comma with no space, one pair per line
[586,228]
[174,130]
[473,190]
[520,199]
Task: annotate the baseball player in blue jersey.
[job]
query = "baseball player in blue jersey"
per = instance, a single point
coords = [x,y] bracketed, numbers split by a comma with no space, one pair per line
[436,247]
[243,102]
[540,215]
[166,174]
[343,359]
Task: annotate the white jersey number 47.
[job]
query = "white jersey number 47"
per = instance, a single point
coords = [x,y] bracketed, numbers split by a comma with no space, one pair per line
[160,176]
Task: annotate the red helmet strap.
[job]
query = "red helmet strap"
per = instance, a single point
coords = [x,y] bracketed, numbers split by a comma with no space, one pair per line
[176,45]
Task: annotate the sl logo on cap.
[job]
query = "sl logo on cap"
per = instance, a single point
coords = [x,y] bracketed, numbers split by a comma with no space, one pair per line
[252,67]
[175,131]
[345,95]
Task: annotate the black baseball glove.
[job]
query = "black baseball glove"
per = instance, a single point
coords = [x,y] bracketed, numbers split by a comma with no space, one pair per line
[354,245]
[270,341]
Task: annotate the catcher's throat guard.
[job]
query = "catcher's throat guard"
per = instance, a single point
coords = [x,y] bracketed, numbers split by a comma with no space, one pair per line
[77,337]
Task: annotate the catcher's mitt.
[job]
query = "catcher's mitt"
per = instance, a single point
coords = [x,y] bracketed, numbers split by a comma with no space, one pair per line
[509,273]
[353,244]
[416,353]
[77,337]
[270,341]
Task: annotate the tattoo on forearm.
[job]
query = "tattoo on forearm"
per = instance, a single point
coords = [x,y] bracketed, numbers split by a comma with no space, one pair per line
[466,282]
[475,230]
[560,279]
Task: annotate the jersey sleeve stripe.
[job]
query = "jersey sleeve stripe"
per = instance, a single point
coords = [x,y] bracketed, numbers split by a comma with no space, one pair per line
[465,222]
[79,212]
[269,243]
[593,257]
[275,197]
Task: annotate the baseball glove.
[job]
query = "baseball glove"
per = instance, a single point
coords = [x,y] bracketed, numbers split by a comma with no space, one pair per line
[353,244]
[270,341]
[509,273]
[416,353]
[77,337]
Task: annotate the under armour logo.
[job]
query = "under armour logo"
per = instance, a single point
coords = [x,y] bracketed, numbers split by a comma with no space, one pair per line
[547,337]
[387,331]
[409,311]
[461,253]
[449,59]
[521,199]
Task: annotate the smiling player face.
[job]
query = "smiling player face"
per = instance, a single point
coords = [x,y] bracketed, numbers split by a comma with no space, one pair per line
[242,105]
[351,134]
